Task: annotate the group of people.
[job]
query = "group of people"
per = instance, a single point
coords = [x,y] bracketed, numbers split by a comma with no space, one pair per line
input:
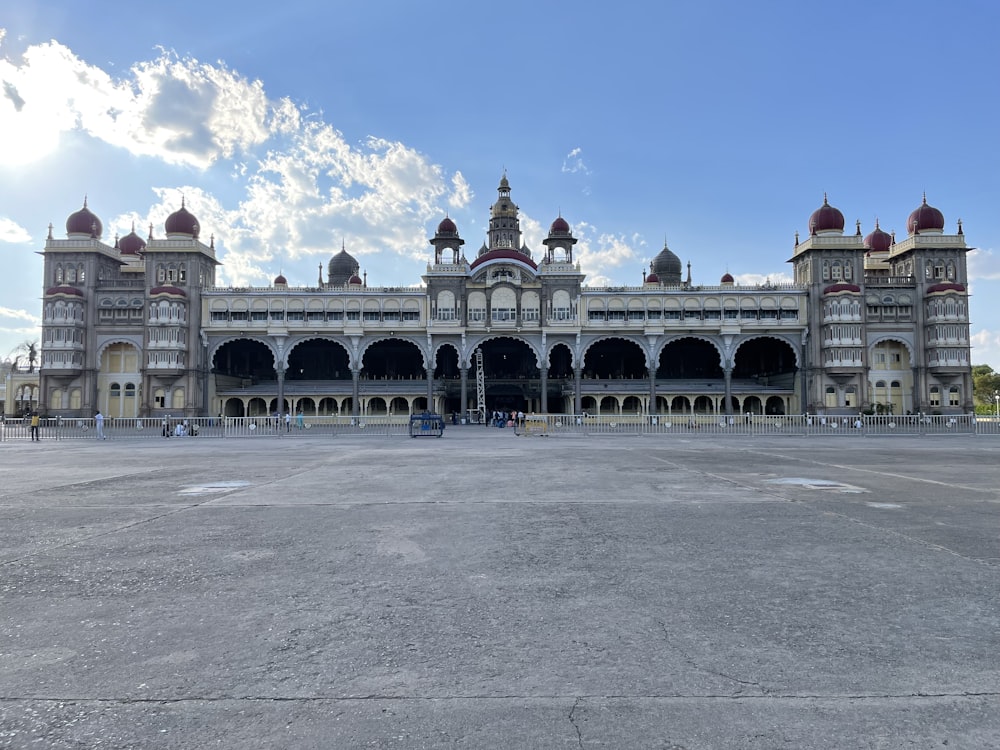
[507,419]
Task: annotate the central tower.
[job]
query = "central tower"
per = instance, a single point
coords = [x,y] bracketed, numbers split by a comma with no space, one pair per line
[505,227]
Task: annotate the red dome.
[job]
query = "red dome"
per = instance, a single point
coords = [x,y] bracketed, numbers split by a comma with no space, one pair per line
[279,279]
[72,290]
[355,280]
[131,244]
[834,288]
[826,218]
[84,222]
[182,221]
[878,240]
[559,226]
[946,287]
[169,290]
[727,278]
[652,278]
[925,219]
[447,226]
[503,253]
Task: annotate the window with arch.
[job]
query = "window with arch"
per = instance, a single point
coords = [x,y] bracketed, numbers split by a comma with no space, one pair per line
[935,396]
[59,274]
[953,394]
[831,396]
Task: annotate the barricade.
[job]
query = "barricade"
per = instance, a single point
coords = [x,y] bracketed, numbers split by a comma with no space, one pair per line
[555,425]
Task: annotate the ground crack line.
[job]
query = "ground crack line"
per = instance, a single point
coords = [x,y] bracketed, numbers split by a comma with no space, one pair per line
[690,661]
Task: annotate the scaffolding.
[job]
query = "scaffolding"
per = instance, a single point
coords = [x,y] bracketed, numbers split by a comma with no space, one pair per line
[480,386]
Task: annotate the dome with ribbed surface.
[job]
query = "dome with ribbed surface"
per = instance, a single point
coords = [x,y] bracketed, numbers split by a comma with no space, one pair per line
[826,219]
[131,243]
[342,267]
[84,223]
[878,240]
[182,222]
[666,266]
[925,219]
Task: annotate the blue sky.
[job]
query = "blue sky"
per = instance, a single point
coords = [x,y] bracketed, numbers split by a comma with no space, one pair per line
[292,128]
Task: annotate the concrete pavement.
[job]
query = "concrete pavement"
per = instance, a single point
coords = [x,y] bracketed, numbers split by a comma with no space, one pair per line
[489,591]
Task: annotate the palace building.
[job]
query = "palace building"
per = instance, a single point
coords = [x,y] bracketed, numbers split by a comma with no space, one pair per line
[139,328]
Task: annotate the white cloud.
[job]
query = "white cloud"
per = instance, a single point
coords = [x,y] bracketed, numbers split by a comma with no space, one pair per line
[11,231]
[986,348]
[597,252]
[177,110]
[983,265]
[573,162]
[755,279]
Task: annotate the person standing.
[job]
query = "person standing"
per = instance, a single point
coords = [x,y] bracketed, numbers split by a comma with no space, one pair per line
[34,426]
[300,421]
[288,421]
[99,421]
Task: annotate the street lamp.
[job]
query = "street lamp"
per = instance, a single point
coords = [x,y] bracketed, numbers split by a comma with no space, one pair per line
[996,400]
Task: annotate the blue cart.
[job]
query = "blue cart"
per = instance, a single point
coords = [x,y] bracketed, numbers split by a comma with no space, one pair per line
[426,425]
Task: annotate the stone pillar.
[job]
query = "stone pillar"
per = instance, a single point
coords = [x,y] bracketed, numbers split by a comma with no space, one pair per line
[728,410]
[281,390]
[430,389]
[577,390]
[543,379]
[463,386]
[651,409]
[356,392]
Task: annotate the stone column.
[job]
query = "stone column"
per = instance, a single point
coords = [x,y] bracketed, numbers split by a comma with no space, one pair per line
[577,390]
[651,409]
[281,390]
[728,410]
[543,379]
[356,392]
[463,386]
[430,389]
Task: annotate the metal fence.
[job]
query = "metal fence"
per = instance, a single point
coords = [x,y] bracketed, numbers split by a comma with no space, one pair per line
[553,425]
[755,424]
[206,427]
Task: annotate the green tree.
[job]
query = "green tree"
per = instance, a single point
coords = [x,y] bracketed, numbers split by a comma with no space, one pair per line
[985,386]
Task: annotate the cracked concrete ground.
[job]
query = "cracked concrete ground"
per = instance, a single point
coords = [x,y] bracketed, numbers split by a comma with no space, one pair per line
[490,591]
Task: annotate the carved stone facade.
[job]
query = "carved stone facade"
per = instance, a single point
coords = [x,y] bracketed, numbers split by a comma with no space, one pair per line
[139,328]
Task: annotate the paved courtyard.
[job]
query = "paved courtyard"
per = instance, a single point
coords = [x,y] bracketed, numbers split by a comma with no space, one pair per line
[484,590]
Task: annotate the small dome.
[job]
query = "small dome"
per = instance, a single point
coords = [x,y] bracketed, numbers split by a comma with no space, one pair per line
[945,287]
[447,226]
[925,219]
[69,290]
[559,226]
[342,267]
[826,218]
[170,291]
[843,287]
[280,280]
[355,280]
[652,278]
[183,222]
[667,266]
[83,222]
[878,241]
[131,243]
[727,278]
